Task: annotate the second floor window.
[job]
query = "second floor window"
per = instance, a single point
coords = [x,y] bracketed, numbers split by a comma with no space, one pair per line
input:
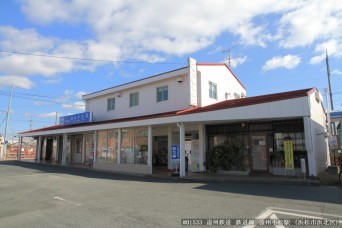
[110,104]
[162,93]
[212,90]
[133,99]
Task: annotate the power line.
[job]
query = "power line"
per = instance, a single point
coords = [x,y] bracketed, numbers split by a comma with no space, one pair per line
[86,59]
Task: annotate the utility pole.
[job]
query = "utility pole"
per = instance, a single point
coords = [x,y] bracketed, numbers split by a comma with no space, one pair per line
[330,91]
[31,123]
[3,154]
[56,118]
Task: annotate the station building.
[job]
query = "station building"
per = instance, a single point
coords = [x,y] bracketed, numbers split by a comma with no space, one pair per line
[203,113]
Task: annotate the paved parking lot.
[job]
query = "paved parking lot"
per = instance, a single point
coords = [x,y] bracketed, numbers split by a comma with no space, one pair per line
[36,195]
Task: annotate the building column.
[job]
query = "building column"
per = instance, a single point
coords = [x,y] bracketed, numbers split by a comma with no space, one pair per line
[182,149]
[150,149]
[65,149]
[83,148]
[39,149]
[119,147]
[169,147]
[310,148]
[57,148]
[95,147]
[20,148]
[202,146]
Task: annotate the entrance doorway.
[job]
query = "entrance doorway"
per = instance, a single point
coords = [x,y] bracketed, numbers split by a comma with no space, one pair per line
[259,153]
[76,156]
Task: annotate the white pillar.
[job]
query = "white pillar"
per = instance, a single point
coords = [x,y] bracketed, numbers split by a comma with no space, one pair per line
[58,148]
[310,147]
[169,147]
[83,148]
[20,148]
[202,146]
[95,147]
[182,149]
[39,149]
[65,149]
[119,146]
[150,149]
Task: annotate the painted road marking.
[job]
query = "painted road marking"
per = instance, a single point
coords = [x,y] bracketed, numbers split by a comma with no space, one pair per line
[279,213]
[68,201]
[59,198]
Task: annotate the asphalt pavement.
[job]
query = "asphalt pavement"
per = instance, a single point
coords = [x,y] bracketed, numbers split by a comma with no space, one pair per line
[36,195]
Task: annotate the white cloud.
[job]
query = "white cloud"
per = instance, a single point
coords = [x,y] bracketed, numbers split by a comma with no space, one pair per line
[17,81]
[54,80]
[47,115]
[336,72]
[333,47]
[310,21]
[68,92]
[79,105]
[288,62]
[177,27]
[150,30]
[80,94]
[26,40]
[234,62]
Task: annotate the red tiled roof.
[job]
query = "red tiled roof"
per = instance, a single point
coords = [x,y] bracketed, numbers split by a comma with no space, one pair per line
[235,103]
[250,101]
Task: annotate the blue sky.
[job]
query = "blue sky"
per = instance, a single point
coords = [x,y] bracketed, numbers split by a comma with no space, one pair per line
[275,46]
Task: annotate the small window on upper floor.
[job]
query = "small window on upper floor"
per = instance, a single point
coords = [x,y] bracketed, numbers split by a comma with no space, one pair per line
[212,90]
[162,93]
[110,104]
[133,99]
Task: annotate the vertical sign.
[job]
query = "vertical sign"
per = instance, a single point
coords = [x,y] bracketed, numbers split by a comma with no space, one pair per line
[193,81]
[288,153]
[175,153]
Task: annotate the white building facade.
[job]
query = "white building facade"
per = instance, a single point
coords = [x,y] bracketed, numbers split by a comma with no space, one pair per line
[201,109]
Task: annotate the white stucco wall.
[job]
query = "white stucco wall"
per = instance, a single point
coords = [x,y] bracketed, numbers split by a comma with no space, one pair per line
[177,100]
[225,80]
[316,142]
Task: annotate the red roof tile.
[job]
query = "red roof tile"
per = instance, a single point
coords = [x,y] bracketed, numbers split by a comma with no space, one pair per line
[235,103]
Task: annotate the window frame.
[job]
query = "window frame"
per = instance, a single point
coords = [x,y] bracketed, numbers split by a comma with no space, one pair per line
[110,106]
[212,90]
[134,102]
[164,93]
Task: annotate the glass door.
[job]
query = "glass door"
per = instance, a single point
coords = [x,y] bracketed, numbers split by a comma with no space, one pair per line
[259,153]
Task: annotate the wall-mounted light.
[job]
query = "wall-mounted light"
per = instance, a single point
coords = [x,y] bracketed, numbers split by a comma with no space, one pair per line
[180,80]
[118,95]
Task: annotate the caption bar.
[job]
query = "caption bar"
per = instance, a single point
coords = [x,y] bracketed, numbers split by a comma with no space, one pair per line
[261,222]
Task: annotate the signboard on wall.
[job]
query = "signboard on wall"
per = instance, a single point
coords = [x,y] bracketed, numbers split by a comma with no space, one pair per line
[84,117]
[175,153]
[193,81]
[288,153]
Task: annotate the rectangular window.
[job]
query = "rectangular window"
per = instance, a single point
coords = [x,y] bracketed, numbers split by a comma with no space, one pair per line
[127,142]
[110,104]
[133,99]
[162,93]
[212,90]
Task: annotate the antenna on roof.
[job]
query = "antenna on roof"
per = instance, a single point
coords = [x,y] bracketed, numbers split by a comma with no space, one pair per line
[229,57]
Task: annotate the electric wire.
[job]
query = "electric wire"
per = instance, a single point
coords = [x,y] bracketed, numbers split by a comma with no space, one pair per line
[88,59]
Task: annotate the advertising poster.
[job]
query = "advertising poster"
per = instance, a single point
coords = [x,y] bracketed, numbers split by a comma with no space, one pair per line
[288,153]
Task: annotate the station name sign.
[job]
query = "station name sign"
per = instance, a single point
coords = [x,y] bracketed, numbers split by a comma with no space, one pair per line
[84,117]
